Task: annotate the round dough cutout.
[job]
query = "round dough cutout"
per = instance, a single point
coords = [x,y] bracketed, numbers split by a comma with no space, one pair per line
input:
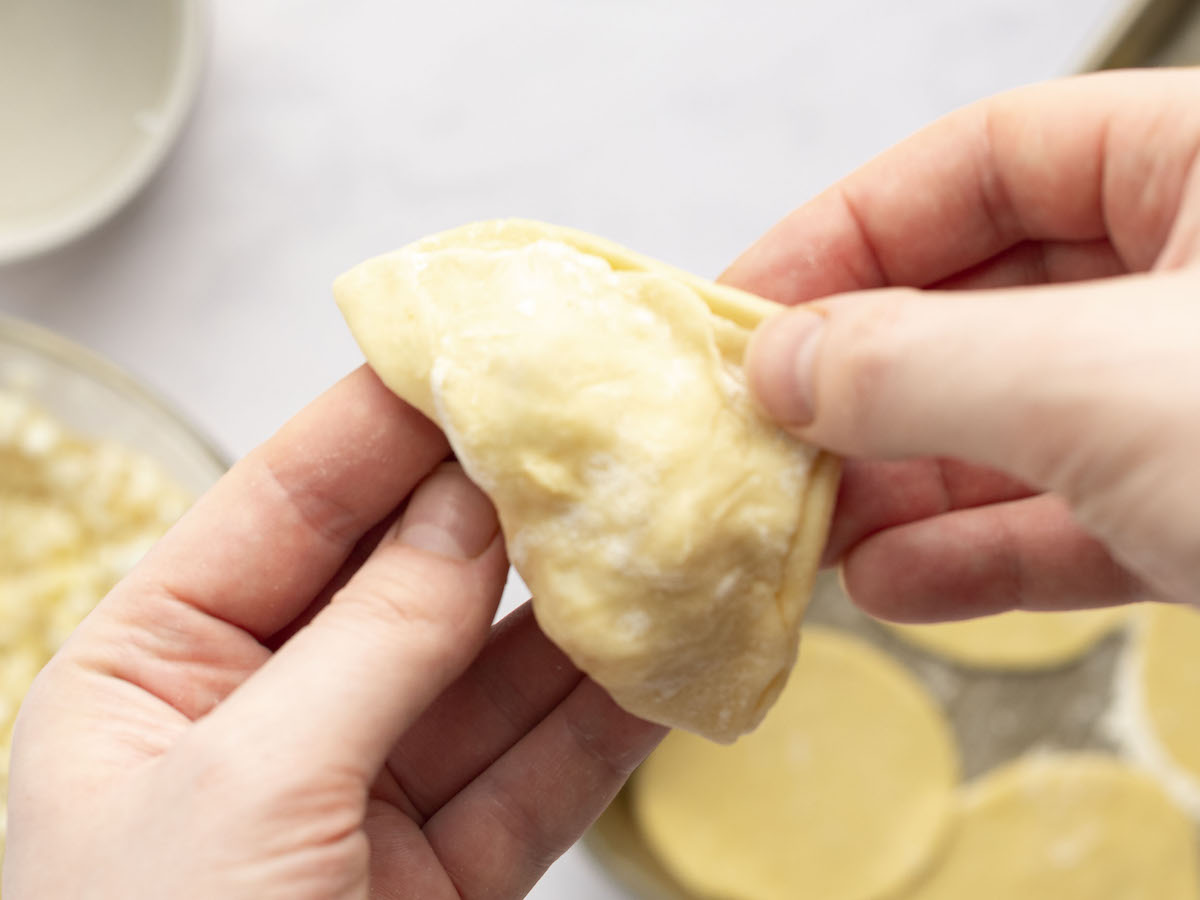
[1070,827]
[1015,640]
[1155,717]
[843,793]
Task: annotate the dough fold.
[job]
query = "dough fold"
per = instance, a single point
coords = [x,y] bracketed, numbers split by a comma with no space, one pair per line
[668,532]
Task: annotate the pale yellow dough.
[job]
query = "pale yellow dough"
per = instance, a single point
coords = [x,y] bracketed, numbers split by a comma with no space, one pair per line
[668,532]
[1015,640]
[844,793]
[1070,827]
[1157,691]
[1168,672]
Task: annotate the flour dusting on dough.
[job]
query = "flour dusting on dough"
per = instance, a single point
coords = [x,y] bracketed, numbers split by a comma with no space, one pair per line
[1072,848]
[634,623]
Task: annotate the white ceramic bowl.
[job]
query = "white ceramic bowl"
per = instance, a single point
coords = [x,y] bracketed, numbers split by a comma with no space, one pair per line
[93,94]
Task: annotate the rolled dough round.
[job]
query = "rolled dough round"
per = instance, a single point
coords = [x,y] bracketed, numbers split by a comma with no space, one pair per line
[843,793]
[1069,827]
[1016,640]
[1154,716]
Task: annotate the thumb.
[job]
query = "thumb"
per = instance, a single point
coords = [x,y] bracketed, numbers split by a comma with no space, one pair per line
[1051,384]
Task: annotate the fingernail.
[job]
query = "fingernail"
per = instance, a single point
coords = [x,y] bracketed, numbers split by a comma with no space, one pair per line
[780,364]
[448,515]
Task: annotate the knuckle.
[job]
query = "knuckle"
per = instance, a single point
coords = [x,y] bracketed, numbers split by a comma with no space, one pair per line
[523,821]
[435,602]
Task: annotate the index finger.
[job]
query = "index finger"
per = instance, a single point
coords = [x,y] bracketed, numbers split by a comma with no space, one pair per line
[258,547]
[1098,157]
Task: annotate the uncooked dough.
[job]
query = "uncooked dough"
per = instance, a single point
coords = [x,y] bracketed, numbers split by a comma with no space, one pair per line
[1069,827]
[844,793]
[1157,687]
[1016,640]
[668,532]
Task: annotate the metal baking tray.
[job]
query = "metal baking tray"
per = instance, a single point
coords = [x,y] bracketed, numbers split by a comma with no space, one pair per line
[1150,33]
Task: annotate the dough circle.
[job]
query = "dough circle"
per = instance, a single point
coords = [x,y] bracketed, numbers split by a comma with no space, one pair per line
[844,793]
[1070,827]
[668,531]
[1158,683]
[1016,640]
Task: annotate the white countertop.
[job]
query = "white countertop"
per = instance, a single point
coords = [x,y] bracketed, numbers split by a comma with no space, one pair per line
[330,132]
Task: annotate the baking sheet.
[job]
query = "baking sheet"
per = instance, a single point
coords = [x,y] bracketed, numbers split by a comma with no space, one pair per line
[1151,33]
[996,717]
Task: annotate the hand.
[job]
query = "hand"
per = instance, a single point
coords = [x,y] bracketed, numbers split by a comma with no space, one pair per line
[1017,441]
[295,694]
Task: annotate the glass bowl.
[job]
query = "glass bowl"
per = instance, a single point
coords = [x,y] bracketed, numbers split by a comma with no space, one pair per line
[93,397]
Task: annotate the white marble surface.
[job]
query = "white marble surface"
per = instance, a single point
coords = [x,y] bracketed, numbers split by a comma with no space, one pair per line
[327,132]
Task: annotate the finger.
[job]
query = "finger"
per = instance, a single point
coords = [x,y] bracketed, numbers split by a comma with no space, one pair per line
[514,683]
[875,495]
[354,561]
[990,176]
[1044,262]
[256,549]
[402,629]
[1026,554]
[402,865]
[1039,382]
[500,834]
